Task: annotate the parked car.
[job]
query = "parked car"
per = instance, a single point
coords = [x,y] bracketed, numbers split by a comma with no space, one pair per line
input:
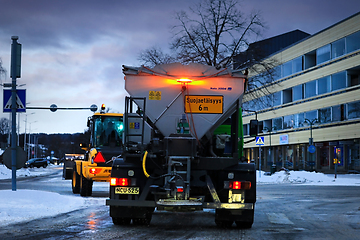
[36,162]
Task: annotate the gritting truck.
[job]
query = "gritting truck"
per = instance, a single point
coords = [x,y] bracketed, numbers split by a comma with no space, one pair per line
[175,157]
[105,145]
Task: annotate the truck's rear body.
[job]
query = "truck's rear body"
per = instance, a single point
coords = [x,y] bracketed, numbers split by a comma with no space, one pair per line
[172,160]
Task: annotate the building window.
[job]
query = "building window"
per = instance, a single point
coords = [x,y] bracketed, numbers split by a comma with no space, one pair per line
[324,115]
[338,113]
[298,92]
[276,72]
[297,64]
[245,129]
[311,115]
[310,89]
[287,69]
[324,85]
[287,95]
[289,122]
[298,120]
[338,81]
[354,110]
[338,48]
[276,99]
[353,42]
[277,123]
[323,54]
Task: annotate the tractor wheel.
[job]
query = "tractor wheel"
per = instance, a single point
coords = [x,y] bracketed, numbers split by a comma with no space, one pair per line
[75,181]
[85,186]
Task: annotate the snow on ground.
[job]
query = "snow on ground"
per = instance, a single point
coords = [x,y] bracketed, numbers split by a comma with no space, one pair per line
[6,173]
[308,178]
[26,205]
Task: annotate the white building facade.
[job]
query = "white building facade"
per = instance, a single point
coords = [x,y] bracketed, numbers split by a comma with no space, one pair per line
[314,115]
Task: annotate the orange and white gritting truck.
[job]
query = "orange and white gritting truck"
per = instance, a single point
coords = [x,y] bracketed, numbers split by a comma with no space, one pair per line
[171,160]
[105,146]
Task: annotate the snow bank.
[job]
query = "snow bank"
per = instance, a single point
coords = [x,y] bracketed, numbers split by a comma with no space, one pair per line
[26,205]
[6,173]
[308,178]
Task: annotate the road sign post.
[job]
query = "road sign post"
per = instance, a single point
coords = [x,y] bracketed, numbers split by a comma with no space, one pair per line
[260,141]
[14,73]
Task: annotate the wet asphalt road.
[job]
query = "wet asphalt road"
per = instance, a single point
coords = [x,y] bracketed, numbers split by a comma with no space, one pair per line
[283,211]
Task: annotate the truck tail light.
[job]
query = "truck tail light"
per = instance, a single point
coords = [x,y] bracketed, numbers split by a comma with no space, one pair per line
[99,158]
[239,185]
[95,170]
[120,182]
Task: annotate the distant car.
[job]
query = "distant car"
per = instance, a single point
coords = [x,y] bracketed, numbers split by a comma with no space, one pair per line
[36,162]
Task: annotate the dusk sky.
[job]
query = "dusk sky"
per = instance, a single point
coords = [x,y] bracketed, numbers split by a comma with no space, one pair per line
[73,50]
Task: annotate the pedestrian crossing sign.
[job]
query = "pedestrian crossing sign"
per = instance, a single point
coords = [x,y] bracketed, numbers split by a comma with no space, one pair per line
[20,100]
[260,141]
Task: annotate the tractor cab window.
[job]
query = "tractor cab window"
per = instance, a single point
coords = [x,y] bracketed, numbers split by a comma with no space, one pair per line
[108,131]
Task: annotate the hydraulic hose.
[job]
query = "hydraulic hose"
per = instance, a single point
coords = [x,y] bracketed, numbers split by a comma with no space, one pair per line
[143,165]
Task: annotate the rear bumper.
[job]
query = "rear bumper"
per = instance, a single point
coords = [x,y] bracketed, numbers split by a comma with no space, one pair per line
[136,203]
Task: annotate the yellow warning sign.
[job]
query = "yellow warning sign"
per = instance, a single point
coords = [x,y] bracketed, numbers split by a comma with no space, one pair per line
[154,95]
[204,104]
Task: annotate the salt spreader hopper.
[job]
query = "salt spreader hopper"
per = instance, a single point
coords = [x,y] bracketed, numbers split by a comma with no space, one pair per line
[172,160]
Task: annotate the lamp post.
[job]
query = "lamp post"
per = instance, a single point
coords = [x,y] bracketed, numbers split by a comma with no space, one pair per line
[29,147]
[26,115]
[311,148]
[270,130]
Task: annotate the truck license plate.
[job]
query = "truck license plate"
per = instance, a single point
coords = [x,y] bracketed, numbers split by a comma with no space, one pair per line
[127,190]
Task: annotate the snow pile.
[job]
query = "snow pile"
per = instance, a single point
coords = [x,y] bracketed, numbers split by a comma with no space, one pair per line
[6,173]
[308,178]
[26,205]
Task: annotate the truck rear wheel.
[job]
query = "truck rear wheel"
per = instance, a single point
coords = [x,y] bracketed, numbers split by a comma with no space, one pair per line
[75,181]
[85,187]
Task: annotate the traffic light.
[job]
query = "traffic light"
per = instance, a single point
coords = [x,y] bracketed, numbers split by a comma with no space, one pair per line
[253,128]
[338,155]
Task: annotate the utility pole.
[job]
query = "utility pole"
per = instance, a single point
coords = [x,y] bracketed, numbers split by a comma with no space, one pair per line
[14,73]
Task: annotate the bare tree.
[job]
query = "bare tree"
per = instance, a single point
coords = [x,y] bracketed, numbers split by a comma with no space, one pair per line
[155,56]
[2,70]
[5,126]
[217,33]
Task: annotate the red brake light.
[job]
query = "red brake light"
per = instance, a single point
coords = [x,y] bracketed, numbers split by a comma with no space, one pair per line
[180,189]
[120,182]
[239,185]
[99,158]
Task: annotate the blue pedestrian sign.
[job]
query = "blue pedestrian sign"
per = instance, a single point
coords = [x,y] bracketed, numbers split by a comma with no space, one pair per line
[20,100]
[260,141]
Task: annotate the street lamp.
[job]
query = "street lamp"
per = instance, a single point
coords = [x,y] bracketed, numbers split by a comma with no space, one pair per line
[311,148]
[29,147]
[269,130]
[311,123]
[26,115]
